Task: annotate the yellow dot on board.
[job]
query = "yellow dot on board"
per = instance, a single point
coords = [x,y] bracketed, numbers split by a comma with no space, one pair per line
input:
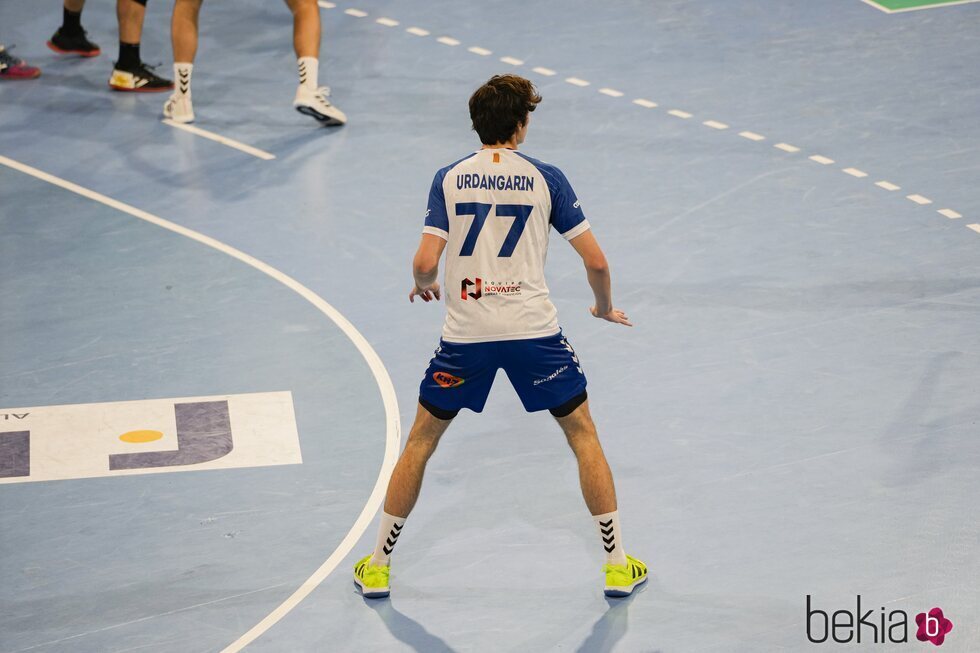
[141,436]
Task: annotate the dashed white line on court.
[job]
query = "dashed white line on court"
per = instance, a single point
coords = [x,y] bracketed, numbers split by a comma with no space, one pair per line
[547,72]
[326,5]
[611,92]
[447,40]
[483,52]
[645,103]
[822,160]
[575,81]
[680,114]
[417,31]
[752,136]
[975,227]
[387,22]
[854,172]
[949,213]
[887,185]
[786,147]
[714,124]
[919,199]
[512,61]
[356,13]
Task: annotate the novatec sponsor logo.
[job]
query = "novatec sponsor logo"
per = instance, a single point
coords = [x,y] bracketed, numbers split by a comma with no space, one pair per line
[551,377]
[873,626]
[476,288]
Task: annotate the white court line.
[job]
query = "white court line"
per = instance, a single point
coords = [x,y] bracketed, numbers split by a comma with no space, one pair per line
[224,140]
[483,52]
[392,419]
[902,11]
[949,213]
[887,185]
[854,172]
[417,31]
[387,22]
[575,81]
[918,199]
[752,136]
[822,160]
[680,114]
[512,61]
[645,103]
[611,92]
[714,124]
[356,13]
[975,227]
[447,40]
[326,5]
[786,147]
[547,72]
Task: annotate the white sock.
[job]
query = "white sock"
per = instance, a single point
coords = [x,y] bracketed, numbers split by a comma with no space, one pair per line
[182,77]
[388,532]
[309,70]
[612,539]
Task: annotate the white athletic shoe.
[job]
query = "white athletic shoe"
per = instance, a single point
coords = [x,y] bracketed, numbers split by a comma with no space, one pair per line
[314,102]
[179,108]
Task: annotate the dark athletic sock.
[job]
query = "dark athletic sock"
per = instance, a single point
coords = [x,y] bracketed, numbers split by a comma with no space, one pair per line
[71,23]
[129,56]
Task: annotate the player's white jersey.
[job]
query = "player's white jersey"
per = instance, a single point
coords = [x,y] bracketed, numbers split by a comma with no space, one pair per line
[495,209]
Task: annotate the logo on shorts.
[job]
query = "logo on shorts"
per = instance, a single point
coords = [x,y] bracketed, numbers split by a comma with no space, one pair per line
[488,288]
[447,380]
[551,377]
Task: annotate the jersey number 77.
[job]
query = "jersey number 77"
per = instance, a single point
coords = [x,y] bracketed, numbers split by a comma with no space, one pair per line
[520,213]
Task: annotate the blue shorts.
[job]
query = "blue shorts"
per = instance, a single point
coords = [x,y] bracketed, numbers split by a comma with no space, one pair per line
[544,371]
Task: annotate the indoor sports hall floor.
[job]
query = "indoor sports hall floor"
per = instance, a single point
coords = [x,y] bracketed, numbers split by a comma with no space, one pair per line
[788,196]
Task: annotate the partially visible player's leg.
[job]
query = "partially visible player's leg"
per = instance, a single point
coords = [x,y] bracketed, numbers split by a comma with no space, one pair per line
[371,573]
[623,572]
[130,73]
[311,98]
[183,35]
[70,37]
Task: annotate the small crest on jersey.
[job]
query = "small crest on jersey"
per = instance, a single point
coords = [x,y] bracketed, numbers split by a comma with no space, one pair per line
[496,157]
[446,380]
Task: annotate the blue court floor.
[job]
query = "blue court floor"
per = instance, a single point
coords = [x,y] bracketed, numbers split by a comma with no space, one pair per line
[787,193]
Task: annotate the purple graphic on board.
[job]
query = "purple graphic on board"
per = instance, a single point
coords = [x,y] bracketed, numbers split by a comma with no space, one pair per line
[203,435]
[15,454]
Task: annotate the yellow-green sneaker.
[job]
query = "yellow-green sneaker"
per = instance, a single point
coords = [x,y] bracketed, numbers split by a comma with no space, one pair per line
[621,580]
[372,579]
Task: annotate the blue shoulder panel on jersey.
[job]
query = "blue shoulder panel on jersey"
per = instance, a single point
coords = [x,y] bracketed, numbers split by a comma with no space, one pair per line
[436,215]
[566,212]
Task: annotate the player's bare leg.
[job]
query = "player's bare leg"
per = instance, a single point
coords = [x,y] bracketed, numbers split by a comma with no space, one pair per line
[623,573]
[594,475]
[311,98]
[406,480]
[183,35]
[371,572]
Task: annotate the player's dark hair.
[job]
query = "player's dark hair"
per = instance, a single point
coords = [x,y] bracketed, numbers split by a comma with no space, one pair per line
[500,105]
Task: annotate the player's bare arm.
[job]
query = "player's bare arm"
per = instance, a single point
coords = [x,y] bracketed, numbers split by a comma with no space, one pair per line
[597,270]
[425,268]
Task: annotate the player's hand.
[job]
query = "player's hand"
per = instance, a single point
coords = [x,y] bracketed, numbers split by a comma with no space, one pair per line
[614,315]
[426,294]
